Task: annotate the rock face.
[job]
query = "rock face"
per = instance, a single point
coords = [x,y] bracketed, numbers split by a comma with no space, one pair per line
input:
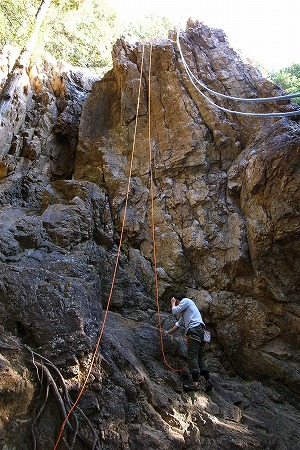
[226,224]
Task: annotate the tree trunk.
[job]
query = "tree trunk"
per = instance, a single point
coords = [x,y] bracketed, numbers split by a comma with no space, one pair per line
[22,61]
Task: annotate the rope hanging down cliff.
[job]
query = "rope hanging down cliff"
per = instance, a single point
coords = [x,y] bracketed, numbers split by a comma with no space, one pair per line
[153,222]
[115,269]
[120,244]
[195,80]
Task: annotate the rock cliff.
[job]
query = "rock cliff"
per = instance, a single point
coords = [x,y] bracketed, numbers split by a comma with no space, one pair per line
[227,221]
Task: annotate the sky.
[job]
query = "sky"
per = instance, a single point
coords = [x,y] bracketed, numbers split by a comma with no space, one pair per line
[267,31]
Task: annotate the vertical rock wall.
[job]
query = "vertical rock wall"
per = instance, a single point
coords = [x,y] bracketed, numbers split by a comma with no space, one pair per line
[226,210]
[226,189]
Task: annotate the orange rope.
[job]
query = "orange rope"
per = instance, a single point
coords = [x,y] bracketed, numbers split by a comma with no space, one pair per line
[116,265]
[153,221]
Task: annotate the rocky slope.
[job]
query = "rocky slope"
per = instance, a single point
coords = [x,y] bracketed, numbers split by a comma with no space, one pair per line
[226,211]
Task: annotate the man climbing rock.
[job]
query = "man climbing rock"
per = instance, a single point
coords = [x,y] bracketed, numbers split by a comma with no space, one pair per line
[194,326]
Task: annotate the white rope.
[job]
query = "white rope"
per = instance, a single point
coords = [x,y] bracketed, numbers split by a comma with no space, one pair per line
[262,99]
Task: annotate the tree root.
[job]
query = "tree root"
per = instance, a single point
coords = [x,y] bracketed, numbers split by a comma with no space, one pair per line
[49,375]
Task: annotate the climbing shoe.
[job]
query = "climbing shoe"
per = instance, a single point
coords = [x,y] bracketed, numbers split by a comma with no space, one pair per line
[191,387]
[208,385]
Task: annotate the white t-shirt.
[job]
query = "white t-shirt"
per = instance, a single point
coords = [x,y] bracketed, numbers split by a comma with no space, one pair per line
[190,314]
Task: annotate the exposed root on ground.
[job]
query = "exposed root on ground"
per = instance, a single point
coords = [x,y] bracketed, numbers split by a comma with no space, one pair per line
[50,377]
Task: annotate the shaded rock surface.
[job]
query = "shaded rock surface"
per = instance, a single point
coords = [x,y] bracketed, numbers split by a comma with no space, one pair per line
[226,211]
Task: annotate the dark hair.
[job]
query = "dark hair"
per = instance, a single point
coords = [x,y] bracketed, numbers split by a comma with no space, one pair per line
[178,296]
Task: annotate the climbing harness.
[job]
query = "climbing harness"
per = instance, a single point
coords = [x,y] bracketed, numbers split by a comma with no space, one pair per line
[195,80]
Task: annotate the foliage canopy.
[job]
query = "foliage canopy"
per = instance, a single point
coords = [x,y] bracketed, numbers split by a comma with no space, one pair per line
[288,79]
[80,32]
[16,20]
